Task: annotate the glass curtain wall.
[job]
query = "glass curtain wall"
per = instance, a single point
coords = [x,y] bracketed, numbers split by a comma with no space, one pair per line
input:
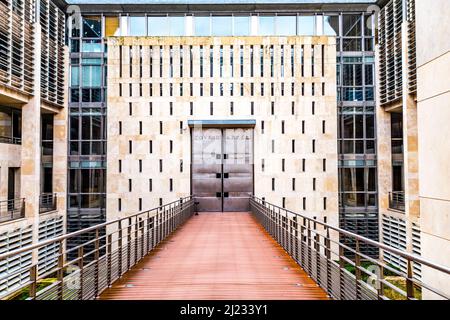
[87,122]
[356,122]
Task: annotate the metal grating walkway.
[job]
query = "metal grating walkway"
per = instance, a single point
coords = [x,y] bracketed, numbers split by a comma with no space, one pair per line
[217,256]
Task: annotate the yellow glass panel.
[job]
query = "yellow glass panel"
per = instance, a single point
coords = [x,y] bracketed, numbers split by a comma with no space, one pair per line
[111,26]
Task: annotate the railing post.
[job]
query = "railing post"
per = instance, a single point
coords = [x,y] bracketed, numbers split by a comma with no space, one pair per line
[60,273]
[317,250]
[309,255]
[341,271]
[302,245]
[148,233]
[328,257]
[136,239]
[409,281]
[120,251]
[33,282]
[380,289]
[109,262]
[142,228]
[358,270]
[97,257]
[81,268]
[129,244]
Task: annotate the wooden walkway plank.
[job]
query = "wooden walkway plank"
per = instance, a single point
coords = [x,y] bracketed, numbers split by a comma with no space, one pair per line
[217,256]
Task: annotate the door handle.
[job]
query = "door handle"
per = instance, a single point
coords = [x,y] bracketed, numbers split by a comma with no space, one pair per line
[226,175]
[218,175]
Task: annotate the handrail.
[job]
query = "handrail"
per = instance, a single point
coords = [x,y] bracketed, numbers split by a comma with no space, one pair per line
[12,209]
[326,252]
[79,232]
[397,200]
[380,245]
[98,259]
[47,202]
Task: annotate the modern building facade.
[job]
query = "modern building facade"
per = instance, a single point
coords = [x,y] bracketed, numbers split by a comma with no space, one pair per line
[33,129]
[354,30]
[320,107]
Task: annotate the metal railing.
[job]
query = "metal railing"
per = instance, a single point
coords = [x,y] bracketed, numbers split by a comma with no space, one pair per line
[12,209]
[10,140]
[47,202]
[332,257]
[397,200]
[109,250]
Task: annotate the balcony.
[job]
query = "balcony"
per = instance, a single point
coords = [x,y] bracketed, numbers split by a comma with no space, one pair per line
[47,202]
[397,201]
[12,209]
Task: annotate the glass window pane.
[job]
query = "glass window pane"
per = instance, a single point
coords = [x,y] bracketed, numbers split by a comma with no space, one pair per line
[96,128]
[137,26]
[74,45]
[370,147]
[91,76]
[112,26]
[74,128]
[97,61]
[286,26]
[352,75]
[241,26]
[370,126]
[74,95]
[202,26]
[352,94]
[86,95]
[369,94]
[348,126]
[359,177]
[351,44]
[96,95]
[368,25]
[74,76]
[92,46]
[348,179]
[331,25]
[157,26]
[359,126]
[368,44]
[351,25]
[266,26]
[86,128]
[222,26]
[73,185]
[92,27]
[369,74]
[306,25]
[348,147]
[176,26]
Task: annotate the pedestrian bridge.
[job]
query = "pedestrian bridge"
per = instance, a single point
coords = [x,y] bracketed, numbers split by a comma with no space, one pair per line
[170,252]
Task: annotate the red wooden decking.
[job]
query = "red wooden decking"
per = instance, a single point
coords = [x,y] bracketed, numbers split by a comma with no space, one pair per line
[217,256]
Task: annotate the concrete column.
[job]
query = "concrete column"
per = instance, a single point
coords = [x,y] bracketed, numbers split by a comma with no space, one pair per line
[31,146]
[60,138]
[410,143]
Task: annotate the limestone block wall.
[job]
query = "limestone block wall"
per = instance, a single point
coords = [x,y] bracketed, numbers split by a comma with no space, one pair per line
[157,84]
[433,115]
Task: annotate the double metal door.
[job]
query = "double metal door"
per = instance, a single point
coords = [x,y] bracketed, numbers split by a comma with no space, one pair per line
[222,168]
